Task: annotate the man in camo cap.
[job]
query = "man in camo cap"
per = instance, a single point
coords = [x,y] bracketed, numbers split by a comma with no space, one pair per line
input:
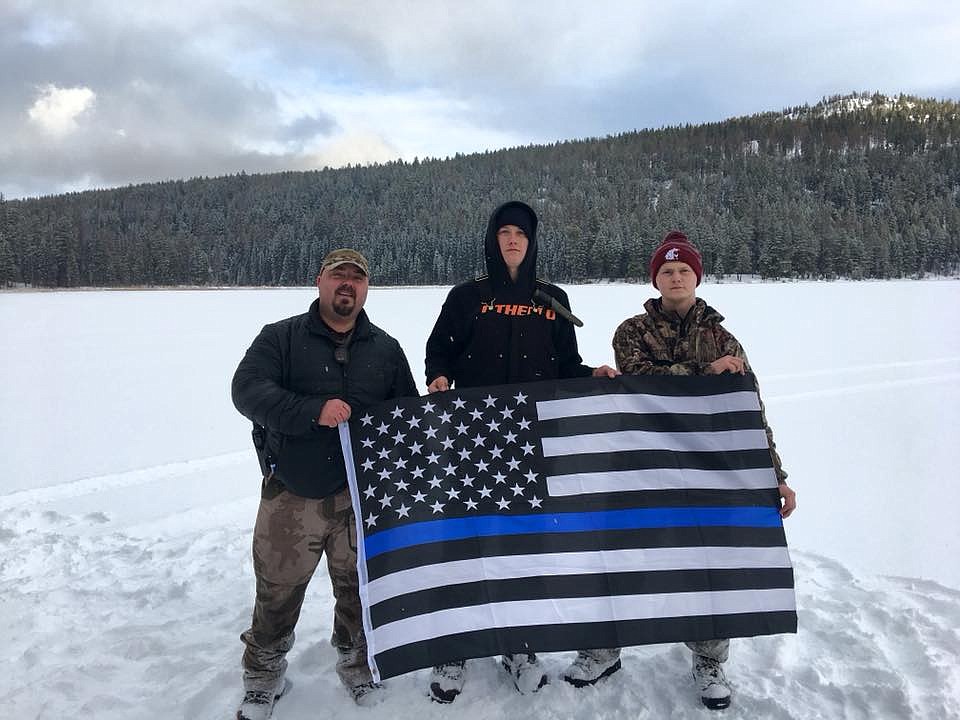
[300,378]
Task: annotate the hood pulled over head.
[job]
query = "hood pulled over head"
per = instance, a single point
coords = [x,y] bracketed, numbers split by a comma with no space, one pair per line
[523,216]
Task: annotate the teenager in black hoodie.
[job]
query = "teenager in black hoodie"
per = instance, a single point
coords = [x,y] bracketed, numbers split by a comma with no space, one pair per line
[498,329]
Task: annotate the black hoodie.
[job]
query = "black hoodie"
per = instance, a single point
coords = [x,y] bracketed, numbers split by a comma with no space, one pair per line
[490,330]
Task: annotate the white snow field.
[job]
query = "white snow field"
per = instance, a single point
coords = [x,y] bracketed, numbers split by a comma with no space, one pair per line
[130,490]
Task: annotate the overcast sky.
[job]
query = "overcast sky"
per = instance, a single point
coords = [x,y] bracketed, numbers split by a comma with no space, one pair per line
[99,93]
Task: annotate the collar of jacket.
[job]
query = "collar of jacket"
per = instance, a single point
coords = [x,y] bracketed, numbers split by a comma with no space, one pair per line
[699,314]
[317,326]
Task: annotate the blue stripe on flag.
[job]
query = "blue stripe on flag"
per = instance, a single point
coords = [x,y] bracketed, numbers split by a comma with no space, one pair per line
[488,525]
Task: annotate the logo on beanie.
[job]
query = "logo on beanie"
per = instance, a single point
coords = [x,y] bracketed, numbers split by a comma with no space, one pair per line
[672,254]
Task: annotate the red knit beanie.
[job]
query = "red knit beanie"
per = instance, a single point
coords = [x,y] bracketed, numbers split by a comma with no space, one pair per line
[675,247]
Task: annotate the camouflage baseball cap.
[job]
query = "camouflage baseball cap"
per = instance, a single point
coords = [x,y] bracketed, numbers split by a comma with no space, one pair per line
[344,256]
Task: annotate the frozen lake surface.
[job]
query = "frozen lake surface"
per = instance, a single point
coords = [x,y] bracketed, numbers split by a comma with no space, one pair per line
[126,511]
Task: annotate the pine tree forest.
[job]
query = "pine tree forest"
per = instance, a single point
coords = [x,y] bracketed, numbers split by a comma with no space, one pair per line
[859,186]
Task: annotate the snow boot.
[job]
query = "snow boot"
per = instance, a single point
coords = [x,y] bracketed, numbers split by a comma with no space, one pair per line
[446,681]
[367,694]
[258,704]
[711,682]
[525,671]
[591,666]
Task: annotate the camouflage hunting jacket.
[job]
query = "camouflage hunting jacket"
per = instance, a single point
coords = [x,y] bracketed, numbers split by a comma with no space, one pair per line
[659,342]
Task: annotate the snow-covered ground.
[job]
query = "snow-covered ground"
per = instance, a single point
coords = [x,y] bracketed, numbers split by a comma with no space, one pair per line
[131,490]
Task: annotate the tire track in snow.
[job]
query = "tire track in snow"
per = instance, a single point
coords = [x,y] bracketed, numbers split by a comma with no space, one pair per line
[829,372]
[862,387]
[142,476]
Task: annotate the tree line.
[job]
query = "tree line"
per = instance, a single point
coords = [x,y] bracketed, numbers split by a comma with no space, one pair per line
[858,186]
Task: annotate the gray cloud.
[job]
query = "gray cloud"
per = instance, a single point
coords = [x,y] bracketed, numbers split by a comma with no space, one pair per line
[164,108]
[309,126]
[262,87]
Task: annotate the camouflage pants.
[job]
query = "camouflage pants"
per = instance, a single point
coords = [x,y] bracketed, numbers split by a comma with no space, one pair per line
[290,535]
[718,650]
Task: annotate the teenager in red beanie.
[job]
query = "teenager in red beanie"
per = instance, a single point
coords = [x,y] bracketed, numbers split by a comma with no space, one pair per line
[679,334]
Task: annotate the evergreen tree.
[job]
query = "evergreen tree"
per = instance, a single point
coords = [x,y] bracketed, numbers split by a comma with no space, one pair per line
[8,269]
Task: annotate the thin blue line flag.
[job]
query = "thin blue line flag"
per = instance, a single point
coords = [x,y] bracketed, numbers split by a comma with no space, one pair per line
[566,515]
